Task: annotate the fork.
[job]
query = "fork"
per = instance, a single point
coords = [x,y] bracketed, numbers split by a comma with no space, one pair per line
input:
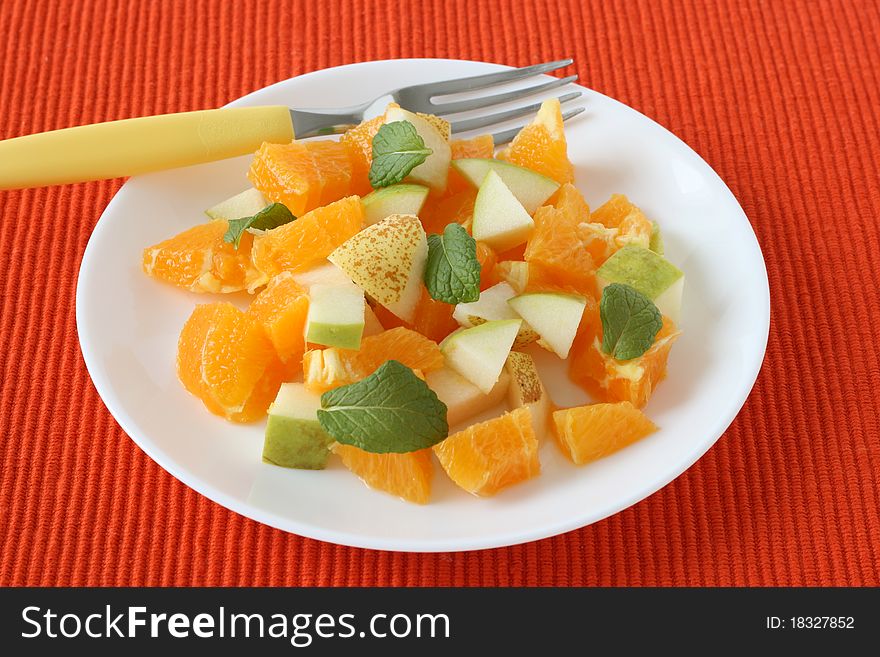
[133,146]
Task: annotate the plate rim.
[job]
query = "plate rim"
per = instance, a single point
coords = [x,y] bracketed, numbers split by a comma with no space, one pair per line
[357,540]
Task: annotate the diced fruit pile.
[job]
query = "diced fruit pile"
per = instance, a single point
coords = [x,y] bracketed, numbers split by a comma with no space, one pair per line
[402,283]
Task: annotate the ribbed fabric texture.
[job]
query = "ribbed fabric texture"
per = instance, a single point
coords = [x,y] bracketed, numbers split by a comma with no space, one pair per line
[781,98]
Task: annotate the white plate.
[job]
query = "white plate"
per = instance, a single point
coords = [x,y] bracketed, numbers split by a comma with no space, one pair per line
[128,326]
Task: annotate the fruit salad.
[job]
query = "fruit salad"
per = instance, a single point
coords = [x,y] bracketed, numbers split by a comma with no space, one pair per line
[402,283]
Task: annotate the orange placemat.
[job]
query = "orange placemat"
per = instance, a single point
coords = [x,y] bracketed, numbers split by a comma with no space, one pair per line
[782,98]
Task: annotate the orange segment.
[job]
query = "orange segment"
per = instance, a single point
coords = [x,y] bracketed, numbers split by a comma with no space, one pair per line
[200,261]
[286,173]
[388,319]
[487,259]
[225,358]
[433,318]
[609,379]
[334,167]
[540,146]
[516,253]
[556,247]
[627,224]
[324,369]
[410,348]
[189,350]
[439,211]
[358,142]
[282,309]
[611,213]
[570,201]
[303,243]
[492,455]
[525,277]
[599,241]
[587,433]
[635,229]
[407,476]
[481,146]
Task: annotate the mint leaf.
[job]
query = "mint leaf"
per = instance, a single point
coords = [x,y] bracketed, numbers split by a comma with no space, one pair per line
[268,218]
[397,150]
[630,321]
[452,273]
[392,410]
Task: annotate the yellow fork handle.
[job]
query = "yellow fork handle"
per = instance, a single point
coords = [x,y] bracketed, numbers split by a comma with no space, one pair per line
[132,146]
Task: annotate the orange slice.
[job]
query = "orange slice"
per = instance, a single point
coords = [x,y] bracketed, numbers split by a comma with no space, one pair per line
[334,167]
[287,173]
[407,476]
[612,380]
[587,433]
[432,318]
[225,358]
[281,309]
[540,145]
[303,243]
[440,211]
[199,260]
[556,247]
[324,369]
[489,456]
[487,259]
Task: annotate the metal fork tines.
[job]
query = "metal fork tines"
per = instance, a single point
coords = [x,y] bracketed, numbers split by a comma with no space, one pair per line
[428,98]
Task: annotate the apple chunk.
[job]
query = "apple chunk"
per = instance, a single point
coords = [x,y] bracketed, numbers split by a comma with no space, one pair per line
[396,199]
[479,353]
[387,260]
[245,204]
[336,315]
[493,305]
[554,315]
[530,188]
[649,273]
[294,437]
[500,220]
[435,169]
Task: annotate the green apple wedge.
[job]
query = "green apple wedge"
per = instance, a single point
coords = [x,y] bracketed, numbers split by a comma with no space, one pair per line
[434,171]
[500,220]
[336,315]
[245,204]
[396,199]
[554,315]
[479,353]
[493,305]
[463,399]
[526,389]
[649,273]
[294,438]
[530,188]
[387,261]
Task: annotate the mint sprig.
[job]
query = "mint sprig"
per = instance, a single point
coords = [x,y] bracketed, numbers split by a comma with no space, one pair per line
[392,410]
[452,273]
[268,218]
[397,150]
[630,321]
